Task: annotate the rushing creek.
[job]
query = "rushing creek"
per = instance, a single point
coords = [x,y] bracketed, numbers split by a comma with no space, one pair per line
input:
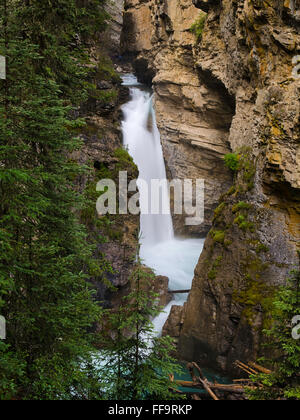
[169,256]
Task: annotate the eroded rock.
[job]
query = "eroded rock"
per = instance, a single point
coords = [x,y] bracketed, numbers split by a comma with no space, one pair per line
[194,113]
[233,90]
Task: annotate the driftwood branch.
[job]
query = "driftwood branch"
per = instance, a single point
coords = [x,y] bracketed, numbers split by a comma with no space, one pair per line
[260,368]
[237,388]
[175,292]
[201,380]
[246,368]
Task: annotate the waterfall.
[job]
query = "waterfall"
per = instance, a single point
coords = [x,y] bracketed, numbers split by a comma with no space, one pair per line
[160,250]
[141,137]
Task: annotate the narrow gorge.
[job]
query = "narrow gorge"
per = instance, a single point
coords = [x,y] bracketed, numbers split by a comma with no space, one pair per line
[230,90]
[150,202]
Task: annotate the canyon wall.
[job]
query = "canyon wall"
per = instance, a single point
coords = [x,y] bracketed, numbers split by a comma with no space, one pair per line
[115,236]
[194,114]
[235,88]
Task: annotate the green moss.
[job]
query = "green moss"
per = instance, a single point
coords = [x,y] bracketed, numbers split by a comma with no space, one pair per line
[212,275]
[219,210]
[247,167]
[241,206]
[232,190]
[261,248]
[243,223]
[239,219]
[214,270]
[241,163]
[198,26]
[123,156]
[255,267]
[218,236]
[227,243]
[247,226]
[106,71]
[255,295]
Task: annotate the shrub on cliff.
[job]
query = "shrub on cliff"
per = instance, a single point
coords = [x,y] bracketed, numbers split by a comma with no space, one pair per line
[232,161]
[198,26]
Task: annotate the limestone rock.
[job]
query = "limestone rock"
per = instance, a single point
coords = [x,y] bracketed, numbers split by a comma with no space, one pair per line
[248,46]
[233,90]
[194,113]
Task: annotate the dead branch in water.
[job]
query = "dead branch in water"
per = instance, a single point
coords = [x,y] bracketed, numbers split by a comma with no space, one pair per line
[237,388]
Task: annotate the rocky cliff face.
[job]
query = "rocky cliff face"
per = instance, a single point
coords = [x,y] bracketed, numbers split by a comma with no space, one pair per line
[194,113]
[113,34]
[115,236]
[235,89]
[250,47]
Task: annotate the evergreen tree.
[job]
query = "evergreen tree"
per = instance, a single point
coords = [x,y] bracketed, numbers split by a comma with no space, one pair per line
[137,363]
[284,382]
[62,30]
[45,258]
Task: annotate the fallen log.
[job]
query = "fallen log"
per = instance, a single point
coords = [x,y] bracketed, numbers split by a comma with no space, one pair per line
[203,381]
[236,389]
[207,387]
[199,370]
[175,292]
[260,368]
[246,368]
[242,380]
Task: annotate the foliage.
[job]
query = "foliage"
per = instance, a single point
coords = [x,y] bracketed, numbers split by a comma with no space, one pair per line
[46,258]
[241,206]
[215,267]
[219,210]
[284,382]
[198,26]
[232,161]
[218,236]
[137,363]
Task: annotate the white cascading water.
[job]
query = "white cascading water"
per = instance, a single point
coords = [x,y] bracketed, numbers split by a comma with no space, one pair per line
[141,137]
[160,250]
